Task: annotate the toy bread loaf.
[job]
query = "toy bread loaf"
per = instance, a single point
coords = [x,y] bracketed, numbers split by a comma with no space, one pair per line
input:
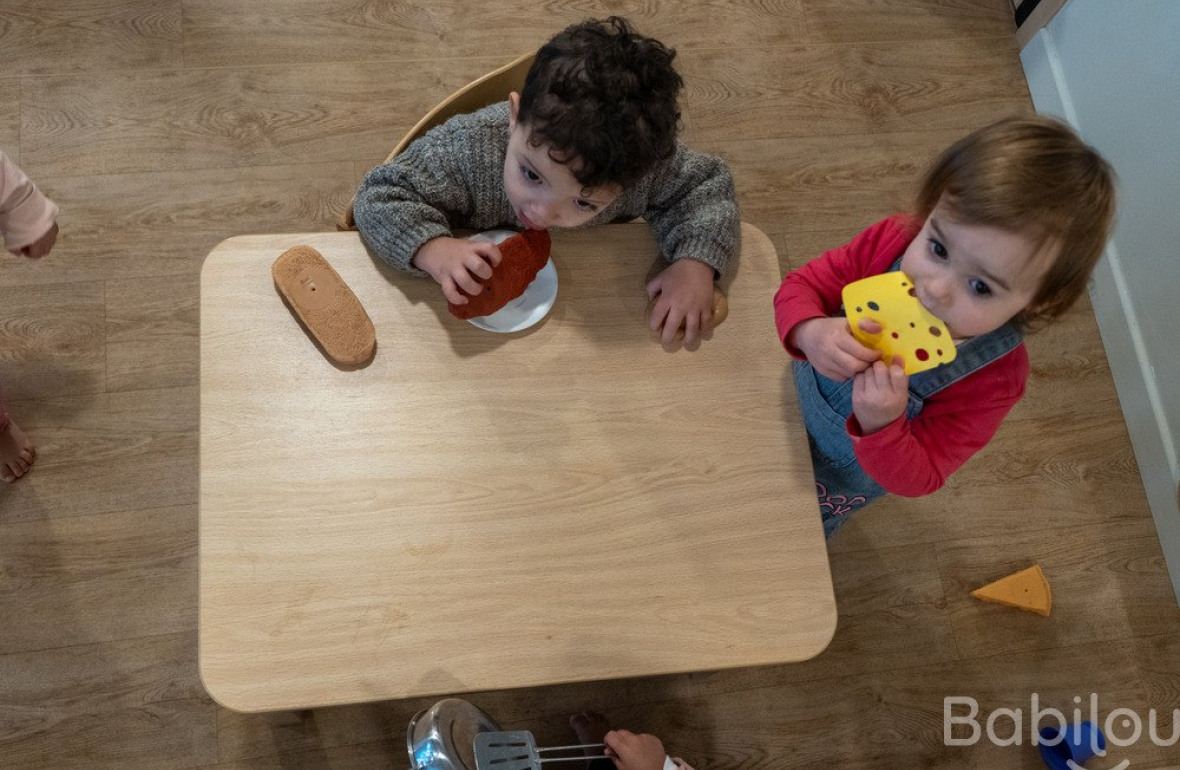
[324,304]
[720,306]
[522,257]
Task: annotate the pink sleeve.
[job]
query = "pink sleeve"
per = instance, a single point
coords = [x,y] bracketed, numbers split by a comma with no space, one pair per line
[25,213]
[813,291]
[915,457]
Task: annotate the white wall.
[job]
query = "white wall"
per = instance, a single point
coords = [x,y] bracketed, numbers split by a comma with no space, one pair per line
[1112,69]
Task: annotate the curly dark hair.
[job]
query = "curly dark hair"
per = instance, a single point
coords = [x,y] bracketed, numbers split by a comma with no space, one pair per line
[602,94]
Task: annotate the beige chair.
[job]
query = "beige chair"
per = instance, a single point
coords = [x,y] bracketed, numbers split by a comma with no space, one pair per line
[488,89]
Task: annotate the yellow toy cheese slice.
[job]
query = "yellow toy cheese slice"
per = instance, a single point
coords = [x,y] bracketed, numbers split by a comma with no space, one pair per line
[1027,589]
[908,329]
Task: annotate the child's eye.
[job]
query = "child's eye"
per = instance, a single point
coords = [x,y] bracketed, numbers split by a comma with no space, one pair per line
[937,249]
[529,174]
[585,205]
[979,288]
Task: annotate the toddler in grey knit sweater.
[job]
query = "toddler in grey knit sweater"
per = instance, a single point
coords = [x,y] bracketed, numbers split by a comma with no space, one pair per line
[591,139]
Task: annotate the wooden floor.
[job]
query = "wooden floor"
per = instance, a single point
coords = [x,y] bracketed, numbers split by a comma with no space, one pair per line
[164,126]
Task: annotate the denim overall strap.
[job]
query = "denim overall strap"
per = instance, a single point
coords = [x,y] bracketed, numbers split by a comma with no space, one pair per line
[970,357]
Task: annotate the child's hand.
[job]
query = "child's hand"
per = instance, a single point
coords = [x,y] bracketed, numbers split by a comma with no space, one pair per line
[41,246]
[457,264]
[831,348]
[634,752]
[686,298]
[879,395]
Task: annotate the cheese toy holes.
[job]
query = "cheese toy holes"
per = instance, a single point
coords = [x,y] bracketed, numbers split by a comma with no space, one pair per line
[907,330]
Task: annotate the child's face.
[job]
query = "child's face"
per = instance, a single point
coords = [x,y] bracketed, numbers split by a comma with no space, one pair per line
[974,277]
[543,192]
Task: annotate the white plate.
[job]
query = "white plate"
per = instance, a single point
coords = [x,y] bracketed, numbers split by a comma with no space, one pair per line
[529,308]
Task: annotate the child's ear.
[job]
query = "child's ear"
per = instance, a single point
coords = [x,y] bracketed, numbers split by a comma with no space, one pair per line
[513,109]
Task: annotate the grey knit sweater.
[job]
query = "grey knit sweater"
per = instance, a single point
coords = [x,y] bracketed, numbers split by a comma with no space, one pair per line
[453,177]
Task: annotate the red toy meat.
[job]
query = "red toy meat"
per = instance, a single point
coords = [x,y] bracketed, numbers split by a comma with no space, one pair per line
[523,256]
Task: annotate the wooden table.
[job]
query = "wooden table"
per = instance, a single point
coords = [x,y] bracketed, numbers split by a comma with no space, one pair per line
[477,511]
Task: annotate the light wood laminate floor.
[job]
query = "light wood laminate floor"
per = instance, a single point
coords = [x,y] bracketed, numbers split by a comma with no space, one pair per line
[163,126]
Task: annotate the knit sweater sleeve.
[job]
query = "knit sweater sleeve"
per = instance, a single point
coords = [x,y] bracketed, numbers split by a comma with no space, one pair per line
[692,208]
[426,190]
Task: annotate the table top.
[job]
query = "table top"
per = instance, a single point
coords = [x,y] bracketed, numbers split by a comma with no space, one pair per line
[474,511]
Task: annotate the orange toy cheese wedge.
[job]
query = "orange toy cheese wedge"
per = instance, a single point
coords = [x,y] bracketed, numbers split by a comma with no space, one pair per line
[1027,590]
[908,329]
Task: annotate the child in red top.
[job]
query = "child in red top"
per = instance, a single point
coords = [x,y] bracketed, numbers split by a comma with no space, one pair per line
[1010,222]
[28,222]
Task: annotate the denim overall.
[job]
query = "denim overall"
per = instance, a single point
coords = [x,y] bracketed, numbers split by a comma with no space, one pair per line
[841,484]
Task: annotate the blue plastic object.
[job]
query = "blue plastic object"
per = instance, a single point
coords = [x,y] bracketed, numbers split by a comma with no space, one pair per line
[1074,745]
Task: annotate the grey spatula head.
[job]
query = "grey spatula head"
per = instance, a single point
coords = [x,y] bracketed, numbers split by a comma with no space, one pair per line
[518,750]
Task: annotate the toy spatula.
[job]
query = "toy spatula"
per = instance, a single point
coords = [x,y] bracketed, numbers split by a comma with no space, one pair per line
[517,750]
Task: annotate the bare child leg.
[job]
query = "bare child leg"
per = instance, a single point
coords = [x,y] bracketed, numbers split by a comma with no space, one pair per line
[16,452]
[24,210]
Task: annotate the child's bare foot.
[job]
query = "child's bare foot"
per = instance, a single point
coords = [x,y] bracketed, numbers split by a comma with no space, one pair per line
[590,727]
[16,453]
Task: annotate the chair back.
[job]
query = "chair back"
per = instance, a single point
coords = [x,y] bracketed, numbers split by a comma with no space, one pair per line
[487,89]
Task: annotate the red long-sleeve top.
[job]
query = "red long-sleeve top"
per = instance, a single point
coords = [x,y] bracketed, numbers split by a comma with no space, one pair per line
[906,457]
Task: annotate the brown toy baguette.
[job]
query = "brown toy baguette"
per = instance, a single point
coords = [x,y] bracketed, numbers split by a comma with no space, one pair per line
[720,313]
[324,305]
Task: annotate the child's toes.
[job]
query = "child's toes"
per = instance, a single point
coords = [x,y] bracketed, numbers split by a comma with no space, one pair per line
[28,454]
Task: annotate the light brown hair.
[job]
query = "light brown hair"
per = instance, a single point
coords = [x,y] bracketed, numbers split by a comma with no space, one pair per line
[1031,175]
